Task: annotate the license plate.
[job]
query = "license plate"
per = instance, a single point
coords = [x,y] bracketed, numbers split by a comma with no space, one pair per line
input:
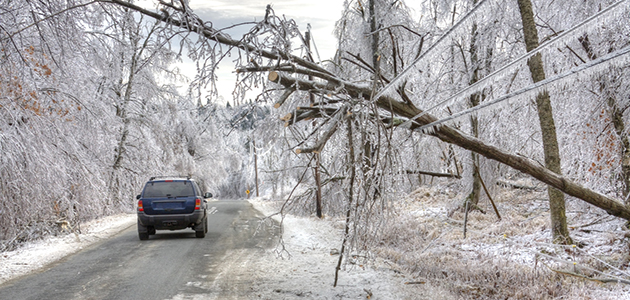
[169,223]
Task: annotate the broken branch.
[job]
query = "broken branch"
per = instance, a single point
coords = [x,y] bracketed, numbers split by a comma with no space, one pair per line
[330,131]
[287,93]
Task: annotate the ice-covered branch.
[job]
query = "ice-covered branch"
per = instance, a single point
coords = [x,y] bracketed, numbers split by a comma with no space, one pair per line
[328,133]
[411,66]
[454,136]
[217,36]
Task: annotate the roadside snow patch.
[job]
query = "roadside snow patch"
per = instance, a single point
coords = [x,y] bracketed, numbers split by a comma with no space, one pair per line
[303,267]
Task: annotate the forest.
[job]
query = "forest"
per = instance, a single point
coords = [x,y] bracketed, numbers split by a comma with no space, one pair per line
[475,101]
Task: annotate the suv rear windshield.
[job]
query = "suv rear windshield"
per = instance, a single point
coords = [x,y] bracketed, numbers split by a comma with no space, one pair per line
[161,189]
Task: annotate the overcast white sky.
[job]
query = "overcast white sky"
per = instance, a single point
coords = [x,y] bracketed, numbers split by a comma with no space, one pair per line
[320,14]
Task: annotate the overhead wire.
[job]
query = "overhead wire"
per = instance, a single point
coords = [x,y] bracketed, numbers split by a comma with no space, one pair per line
[523,57]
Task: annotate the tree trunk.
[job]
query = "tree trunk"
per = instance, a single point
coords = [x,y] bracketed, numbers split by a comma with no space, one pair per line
[318,181]
[350,198]
[121,111]
[617,118]
[559,229]
[473,197]
[375,40]
[256,167]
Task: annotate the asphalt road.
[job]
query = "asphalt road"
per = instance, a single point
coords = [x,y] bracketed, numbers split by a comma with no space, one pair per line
[170,265]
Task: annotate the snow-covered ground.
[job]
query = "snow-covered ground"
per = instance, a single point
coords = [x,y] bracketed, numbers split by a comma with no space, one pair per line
[303,267]
[511,258]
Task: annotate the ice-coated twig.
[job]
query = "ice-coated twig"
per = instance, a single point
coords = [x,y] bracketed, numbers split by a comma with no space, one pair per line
[613,278]
[402,74]
[600,280]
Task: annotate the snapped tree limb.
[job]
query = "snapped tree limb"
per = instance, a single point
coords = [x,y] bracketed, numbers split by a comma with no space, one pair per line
[219,37]
[433,174]
[287,93]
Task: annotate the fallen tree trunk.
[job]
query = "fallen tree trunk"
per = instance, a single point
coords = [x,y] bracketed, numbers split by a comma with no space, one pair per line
[453,136]
[504,183]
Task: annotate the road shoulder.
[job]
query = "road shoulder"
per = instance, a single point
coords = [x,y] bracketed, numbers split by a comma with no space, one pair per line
[36,256]
[302,266]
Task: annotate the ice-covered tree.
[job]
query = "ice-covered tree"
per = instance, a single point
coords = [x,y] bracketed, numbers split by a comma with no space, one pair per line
[90,113]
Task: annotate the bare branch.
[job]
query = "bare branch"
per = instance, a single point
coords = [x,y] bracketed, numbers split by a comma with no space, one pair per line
[434,174]
[217,36]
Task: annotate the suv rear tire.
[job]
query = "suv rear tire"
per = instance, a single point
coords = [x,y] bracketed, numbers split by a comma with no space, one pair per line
[143,232]
[202,233]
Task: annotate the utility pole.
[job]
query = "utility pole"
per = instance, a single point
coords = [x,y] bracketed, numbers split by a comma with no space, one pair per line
[255,166]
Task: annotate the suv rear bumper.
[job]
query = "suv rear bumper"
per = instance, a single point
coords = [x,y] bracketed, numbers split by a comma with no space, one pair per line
[170,222]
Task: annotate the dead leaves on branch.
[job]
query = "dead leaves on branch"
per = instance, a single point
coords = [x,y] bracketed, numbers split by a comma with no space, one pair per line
[18,93]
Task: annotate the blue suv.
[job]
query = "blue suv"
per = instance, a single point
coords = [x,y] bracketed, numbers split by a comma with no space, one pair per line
[172,203]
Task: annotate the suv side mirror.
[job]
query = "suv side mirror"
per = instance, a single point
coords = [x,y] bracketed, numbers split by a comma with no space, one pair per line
[138,197]
[207,195]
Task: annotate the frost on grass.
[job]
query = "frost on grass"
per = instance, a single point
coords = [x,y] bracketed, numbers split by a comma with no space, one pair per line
[511,258]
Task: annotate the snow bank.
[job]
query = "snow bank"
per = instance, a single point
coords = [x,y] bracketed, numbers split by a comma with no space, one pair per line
[511,258]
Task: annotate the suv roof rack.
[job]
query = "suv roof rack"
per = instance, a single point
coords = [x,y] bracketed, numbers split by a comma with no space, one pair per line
[166,176]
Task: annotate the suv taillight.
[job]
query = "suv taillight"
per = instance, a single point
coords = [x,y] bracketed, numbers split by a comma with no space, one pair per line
[140,208]
[197,204]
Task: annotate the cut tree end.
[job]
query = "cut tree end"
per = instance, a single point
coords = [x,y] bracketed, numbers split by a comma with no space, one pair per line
[287,117]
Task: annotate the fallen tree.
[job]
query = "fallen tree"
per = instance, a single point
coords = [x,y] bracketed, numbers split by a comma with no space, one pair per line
[453,136]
